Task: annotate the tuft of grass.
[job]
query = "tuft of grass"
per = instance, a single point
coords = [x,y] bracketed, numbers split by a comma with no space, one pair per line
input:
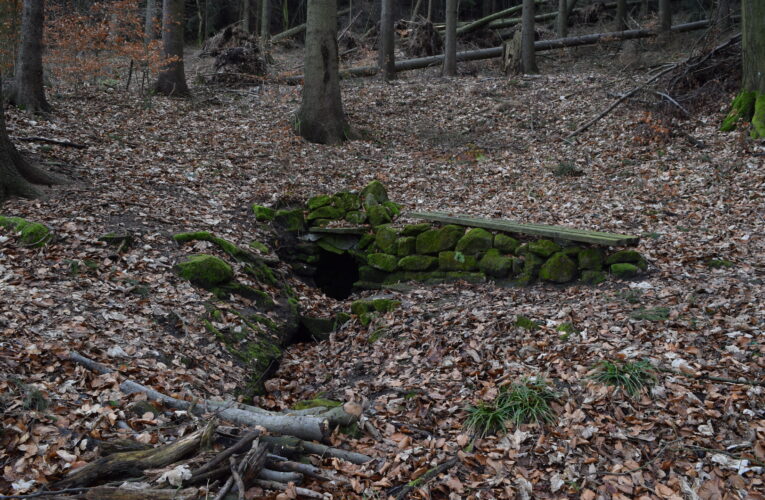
[486,418]
[35,400]
[567,168]
[526,323]
[719,263]
[631,295]
[528,402]
[653,314]
[631,377]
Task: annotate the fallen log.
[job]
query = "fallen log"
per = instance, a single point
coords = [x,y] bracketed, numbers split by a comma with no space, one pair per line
[507,22]
[478,23]
[315,428]
[112,493]
[300,28]
[493,52]
[132,463]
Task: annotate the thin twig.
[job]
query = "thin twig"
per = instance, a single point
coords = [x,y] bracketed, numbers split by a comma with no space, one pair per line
[220,457]
[712,378]
[237,477]
[45,493]
[427,477]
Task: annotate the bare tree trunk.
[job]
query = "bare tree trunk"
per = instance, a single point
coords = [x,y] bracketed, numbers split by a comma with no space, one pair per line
[722,15]
[387,41]
[416,10]
[620,22]
[172,78]
[562,20]
[665,19]
[265,20]
[148,27]
[528,53]
[30,93]
[321,118]
[16,174]
[450,45]
[246,16]
[430,11]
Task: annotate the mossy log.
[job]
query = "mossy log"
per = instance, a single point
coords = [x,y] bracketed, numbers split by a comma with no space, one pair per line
[133,463]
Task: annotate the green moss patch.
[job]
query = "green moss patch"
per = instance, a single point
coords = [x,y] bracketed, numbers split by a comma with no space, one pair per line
[318,202]
[475,241]
[406,245]
[741,110]
[386,240]
[383,261]
[326,212]
[624,270]
[206,271]
[378,215]
[495,264]
[456,261]
[31,234]
[592,277]
[417,263]
[263,214]
[719,263]
[433,241]
[544,248]
[374,194]
[290,220]
[234,251]
[558,269]
[591,259]
[415,229]
[505,243]
[316,403]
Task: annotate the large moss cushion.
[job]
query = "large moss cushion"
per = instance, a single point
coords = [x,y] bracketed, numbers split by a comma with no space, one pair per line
[475,241]
[205,270]
[495,264]
[439,240]
[417,262]
[374,194]
[558,269]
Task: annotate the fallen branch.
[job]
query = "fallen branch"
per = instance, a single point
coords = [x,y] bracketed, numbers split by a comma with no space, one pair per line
[220,457]
[112,493]
[273,485]
[58,142]
[44,493]
[304,427]
[712,378]
[133,463]
[430,474]
[290,446]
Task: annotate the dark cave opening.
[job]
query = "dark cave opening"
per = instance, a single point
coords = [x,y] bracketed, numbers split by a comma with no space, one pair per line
[336,274]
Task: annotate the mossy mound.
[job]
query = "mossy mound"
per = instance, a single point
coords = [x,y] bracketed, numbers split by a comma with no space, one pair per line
[230,248]
[291,220]
[475,241]
[591,259]
[747,107]
[417,263]
[496,265]
[434,241]
[415,229]
[627,256]
[325,212]
[318,202]
[558,269]
[346,201]
[207,271]
[624,270]
[361,306]
[544,248]
[374,194]
[31,234]
[356,217]
[406,245]
[378,215]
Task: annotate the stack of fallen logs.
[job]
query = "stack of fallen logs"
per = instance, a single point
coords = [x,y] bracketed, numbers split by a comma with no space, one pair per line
[268,457]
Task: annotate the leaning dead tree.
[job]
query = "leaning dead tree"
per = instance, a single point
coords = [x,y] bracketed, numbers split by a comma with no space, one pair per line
[269,456]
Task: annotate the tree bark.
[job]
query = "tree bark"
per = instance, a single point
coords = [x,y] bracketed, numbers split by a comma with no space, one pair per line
[562,20]
[17,176]
[387,41]
[665,19]
[450,44]
[321,118]
[172,78]
[753,51]
[722,15]
[29,92]
[528,53]
[620,22]
[148,27]
[265,20]
[246,16]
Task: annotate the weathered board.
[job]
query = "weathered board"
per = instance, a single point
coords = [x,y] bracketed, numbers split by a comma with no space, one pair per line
[555,232]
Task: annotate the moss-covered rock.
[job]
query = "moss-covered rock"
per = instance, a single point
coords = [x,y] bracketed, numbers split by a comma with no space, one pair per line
[263,214]
[593,277]
[382,261]
[624,270]
[31,234]
[417,263]
[433,241]
[522,250]
[290,220]
[591,259]
[326,212]
[346,201]
[544,248]
[394,209]
[531,265]
[406,245]
[230,248]
[378,215]
[494,264]
[505,243]
[628,256]
[368,273]
[385,239]
[558,269]
[455,261]
[366,240]
[319,201]
[205,270]
[415,229]
[475,241]
[356,217]
[373,194]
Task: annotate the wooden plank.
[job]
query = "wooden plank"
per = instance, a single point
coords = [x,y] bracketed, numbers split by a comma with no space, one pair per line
[556,232]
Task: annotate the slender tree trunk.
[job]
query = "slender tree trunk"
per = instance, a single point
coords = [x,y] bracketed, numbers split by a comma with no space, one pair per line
[246,16]
[265,20]
[416,10]
[665,19]
[722,15]
[620,23]
[430,11]
[148,27]
[17,176]
[30,93]
[172,78]
[562,20]
[387,41]
[528,54]
[450,45]
[321,118]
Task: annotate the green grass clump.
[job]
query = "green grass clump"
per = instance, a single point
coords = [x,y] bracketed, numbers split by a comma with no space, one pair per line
[654,314]
[522,403]
[526,323]
[631,377]
[719,263]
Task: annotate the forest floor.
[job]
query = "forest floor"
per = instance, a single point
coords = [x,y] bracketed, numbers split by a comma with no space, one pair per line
[482,144]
